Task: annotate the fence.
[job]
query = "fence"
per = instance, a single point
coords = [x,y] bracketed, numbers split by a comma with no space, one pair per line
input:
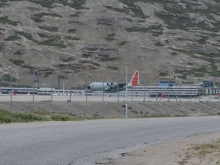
[138,94]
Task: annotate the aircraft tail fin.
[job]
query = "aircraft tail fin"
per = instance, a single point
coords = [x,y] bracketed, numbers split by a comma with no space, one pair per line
[135,81]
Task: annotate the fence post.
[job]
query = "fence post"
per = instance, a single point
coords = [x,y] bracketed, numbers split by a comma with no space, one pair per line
[218,91]
[52,90]
[190,92]
[144,90]
[103,90]
[11,88]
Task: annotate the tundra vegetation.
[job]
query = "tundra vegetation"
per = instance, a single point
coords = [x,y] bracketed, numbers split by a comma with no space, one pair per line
[20,117]
[182,32]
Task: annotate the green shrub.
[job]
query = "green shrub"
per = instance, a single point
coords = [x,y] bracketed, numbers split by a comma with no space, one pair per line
[38,20]
[28,117]
[57,117]
[113,67]
[164,74]
[131,8]
[9,117]
[158,44]
[71,30]
[174,53]
[17,61]
[5,20]
[13,38]
[72,38]
[156,30]
[26,35]
[55,41]
[123,10]
[77,4]
[110,37]
[5,117]
[41,15]
[123,43]
[49,28]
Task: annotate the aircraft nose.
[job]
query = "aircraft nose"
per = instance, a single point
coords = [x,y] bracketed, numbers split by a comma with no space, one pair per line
[88,87]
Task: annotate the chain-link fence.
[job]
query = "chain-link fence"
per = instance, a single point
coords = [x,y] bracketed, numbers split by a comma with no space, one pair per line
[136,94]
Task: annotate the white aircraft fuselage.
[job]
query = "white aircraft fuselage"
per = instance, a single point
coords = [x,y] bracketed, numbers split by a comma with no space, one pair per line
[114,86]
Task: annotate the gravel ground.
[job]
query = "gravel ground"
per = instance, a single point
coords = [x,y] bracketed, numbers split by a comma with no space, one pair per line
[178,152]
[116,110]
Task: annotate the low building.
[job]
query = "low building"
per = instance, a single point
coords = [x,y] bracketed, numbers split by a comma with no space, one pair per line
[206,84]
[166,83]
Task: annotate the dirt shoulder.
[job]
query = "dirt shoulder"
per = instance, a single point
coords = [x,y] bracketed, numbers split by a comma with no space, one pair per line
[196,150]
[108,110]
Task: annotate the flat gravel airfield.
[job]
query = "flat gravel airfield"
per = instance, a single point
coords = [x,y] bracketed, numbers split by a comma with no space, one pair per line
[88,142]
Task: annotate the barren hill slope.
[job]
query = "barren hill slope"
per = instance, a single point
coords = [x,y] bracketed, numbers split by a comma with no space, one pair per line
[98,37]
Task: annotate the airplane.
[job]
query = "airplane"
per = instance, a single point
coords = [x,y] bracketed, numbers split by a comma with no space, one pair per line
[115,86]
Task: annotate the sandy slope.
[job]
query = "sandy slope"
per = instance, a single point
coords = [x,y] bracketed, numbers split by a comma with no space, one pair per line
[177,152]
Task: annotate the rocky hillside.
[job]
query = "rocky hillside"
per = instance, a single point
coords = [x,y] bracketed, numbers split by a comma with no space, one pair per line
[161,38]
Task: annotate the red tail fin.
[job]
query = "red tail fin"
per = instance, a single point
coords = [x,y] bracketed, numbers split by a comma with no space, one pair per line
[135,81]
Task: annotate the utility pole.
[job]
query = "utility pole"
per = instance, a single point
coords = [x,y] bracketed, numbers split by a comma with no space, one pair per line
[180,90]
[63,86]
[11,80]
[157,90]
[209,91]
[199,89]
[52,87]
[33,88]
[144,89]
[103,90]
[11,87]
[70,87]
[169,91]
[38,80]
[190,91]
[126,102]
[86,87]
[218,91]
[132,93]
[33,82]
[118,88]
[58,81]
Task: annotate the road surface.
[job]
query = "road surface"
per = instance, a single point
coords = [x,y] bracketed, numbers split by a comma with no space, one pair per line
[86,142]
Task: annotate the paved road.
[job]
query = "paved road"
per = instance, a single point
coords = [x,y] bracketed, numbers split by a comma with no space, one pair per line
[83,143]
[107,98]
